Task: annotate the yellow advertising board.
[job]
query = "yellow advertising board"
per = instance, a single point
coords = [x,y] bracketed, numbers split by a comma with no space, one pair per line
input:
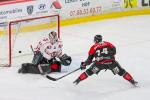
[130,3]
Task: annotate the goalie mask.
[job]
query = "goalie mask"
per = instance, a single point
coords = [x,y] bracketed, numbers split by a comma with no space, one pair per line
[53,37]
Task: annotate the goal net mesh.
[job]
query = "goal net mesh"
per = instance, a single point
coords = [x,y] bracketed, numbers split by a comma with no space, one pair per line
[17,36]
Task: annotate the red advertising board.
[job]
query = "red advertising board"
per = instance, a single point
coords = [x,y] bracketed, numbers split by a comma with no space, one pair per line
[6,2]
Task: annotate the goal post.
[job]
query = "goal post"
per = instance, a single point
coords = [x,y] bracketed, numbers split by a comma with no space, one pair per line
[18,35]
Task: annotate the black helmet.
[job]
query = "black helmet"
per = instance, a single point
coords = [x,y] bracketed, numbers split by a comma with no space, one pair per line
[97,38]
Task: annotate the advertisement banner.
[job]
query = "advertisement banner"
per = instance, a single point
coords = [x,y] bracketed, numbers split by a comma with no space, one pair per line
[130,3]
[68,9]
[80,8]
[145,3]
[28,9]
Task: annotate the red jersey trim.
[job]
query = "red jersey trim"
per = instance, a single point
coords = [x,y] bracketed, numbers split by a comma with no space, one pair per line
[99,45]
[105,61]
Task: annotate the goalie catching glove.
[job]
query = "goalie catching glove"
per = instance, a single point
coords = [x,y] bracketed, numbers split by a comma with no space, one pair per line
[65,60]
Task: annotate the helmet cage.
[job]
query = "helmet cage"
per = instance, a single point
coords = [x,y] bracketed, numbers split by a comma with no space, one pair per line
[53,37]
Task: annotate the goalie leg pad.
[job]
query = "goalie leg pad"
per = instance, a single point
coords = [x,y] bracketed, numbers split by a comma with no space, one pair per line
[38,57]
[28,68]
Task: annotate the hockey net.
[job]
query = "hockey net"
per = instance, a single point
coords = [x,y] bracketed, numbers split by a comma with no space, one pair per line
[17,36]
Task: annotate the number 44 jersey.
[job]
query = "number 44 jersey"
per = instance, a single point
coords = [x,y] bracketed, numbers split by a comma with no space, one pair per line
[103,51]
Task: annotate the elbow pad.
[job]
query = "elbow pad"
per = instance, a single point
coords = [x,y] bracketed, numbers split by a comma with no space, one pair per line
[89,60]
[113,51]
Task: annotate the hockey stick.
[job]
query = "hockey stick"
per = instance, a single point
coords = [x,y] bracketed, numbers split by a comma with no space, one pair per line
[39,66]
[55,79]
[32,49]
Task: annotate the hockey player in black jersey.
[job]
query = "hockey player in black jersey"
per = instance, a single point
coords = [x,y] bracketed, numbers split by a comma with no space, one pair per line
[103,54]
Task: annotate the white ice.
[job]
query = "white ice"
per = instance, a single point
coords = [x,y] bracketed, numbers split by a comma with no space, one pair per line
[130,35]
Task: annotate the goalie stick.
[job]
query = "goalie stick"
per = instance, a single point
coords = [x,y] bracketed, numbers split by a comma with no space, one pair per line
[39,66]
[32,49]
[55,79]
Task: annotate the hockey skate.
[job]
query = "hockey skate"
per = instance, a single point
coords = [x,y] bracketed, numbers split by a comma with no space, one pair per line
[134,83]
[76,82]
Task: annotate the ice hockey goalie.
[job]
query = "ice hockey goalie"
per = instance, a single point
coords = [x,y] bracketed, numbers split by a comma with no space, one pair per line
[48,57]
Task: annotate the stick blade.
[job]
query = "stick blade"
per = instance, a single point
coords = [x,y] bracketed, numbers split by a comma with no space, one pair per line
[51,78]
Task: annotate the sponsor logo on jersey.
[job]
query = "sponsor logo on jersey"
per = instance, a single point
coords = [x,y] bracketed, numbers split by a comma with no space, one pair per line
[30,9]
[145,3]
[130,3]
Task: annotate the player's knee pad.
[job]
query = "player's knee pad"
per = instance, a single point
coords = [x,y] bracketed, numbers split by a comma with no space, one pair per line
[55,66]
[121,72]
[89,72]
[115,70]
[93,70]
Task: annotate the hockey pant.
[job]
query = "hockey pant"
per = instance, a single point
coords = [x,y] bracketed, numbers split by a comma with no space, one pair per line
[114,66]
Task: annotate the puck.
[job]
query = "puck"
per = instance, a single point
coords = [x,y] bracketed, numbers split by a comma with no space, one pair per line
[19,51]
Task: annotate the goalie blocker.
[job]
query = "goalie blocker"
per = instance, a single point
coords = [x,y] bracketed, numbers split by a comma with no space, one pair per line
[45,66]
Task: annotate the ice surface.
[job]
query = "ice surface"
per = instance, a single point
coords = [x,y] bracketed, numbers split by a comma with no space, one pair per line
[131,35]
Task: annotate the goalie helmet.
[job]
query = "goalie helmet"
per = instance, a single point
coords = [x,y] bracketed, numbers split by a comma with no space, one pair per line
[97,38]
[53,37]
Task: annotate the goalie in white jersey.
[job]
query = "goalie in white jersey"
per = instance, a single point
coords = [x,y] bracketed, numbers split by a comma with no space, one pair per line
[48,56]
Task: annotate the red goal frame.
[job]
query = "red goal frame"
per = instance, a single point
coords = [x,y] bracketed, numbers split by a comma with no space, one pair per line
[10,34]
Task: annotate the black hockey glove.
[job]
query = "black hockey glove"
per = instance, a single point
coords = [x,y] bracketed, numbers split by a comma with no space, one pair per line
[83,66]
[65,60]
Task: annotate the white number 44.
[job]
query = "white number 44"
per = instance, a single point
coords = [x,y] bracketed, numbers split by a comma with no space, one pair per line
[104,51]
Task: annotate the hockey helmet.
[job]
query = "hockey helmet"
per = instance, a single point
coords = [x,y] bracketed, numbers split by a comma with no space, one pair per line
[97,38]
[53,37]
